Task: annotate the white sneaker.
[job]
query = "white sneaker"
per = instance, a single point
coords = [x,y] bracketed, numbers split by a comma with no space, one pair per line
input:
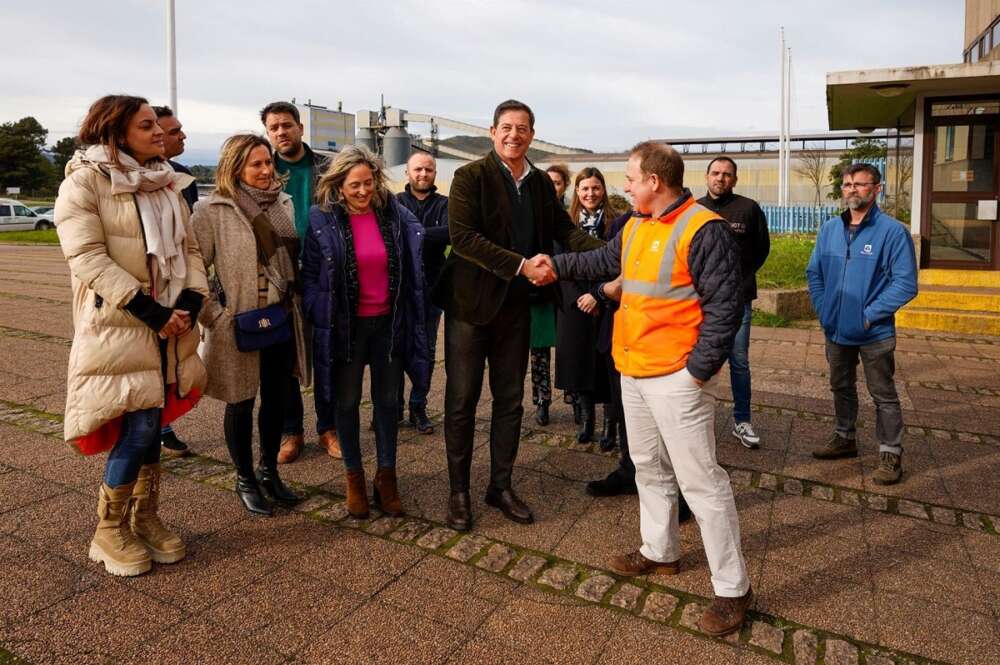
[744,432]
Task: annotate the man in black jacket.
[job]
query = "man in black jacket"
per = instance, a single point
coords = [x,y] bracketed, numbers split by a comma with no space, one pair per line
[501,210]
[431,209]
[749,224]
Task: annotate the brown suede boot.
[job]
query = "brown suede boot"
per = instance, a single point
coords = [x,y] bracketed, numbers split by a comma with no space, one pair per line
[163,545]
[385,493]
[357,498]
[114,544]
[725,615]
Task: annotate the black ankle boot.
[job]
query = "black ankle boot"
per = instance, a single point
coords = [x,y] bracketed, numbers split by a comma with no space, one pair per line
[251,497]
[609,439]
[276,490]
[586,432]
[577,411]
[542,414]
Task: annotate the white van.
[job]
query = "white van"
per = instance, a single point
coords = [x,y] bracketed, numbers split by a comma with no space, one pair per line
[15,216]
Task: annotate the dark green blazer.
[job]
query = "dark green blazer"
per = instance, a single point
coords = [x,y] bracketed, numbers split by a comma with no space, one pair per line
[475,278]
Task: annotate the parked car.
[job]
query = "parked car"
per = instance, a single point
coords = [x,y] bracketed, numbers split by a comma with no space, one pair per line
[15,216]
[45,212]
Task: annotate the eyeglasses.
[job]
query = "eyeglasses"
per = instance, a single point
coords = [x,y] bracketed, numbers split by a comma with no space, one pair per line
[857,185]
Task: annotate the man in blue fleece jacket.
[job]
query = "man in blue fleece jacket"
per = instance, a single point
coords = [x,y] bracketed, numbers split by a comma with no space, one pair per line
[861,271]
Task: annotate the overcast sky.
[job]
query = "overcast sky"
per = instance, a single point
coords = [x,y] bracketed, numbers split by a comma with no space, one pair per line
[599,74]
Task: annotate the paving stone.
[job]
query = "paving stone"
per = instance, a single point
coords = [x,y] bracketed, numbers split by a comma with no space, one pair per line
[408,532]
[741,477]
[941,434]
[766,636]
[627,597]
[768,481]
[792,486]
[467,547]
[805,645]
[839,652]
[384,525]
[435,538]
[992,440]
[593,588]
[911,509]
[333,512]
[559,576]
[871,659]
[877,502]
[850,498]
[527,567]
[973,521]
[944,515]
[966,437]
[821,492]
[312,503]
[497,558]
[659,606]
[690,615]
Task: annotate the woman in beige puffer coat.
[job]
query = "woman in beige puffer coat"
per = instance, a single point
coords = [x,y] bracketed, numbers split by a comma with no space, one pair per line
[138,283]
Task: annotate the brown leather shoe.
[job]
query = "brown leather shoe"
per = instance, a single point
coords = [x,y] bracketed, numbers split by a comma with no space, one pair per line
[460,511]
[357,499]
[510,505]
[329,442]
[385,493]
[291,448]
[725,615]
[634,563]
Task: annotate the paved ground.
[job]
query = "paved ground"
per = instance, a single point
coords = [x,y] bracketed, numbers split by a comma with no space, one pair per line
[844,571]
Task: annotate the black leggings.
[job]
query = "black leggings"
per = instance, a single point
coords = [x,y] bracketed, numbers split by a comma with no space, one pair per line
[276,364]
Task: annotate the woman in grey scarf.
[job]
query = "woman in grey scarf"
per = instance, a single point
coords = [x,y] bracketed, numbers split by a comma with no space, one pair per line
[247,235]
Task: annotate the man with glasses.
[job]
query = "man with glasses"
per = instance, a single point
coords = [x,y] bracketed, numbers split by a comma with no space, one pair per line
[862,270]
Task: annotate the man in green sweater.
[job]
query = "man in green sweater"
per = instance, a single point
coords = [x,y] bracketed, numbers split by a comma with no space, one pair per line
[303,167]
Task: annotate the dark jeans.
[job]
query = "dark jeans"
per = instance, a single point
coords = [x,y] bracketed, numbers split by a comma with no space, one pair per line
[138,444]
[879,362]
[276,365]
[294,421]
[503,343]
[372,343]
[626,469]
[418,391]
[739,369]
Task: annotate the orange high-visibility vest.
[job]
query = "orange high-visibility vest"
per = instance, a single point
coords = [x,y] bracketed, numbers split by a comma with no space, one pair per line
[657,325]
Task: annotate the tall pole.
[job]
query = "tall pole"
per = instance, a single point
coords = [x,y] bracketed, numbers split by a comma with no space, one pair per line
[171,56]
[781,130]
[788,124]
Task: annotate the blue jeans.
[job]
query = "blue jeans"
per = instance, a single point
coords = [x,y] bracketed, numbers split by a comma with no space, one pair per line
[739,369]
[418,392]
[138,444]
[372,341]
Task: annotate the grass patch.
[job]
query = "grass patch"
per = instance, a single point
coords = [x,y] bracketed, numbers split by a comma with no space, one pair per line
[44,237]
[785,267]
[769,320]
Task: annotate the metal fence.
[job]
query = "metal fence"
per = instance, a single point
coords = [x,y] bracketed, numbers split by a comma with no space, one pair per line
[797,219]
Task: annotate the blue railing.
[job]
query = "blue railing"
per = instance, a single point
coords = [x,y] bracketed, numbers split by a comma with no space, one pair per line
[797,219]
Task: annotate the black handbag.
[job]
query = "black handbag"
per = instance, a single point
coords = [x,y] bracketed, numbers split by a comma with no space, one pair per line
[260,328]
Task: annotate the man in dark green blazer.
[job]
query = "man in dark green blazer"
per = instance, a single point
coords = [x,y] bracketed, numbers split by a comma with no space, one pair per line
[501,211]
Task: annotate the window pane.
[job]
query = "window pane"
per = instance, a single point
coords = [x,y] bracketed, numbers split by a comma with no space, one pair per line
[4,211]
[23,212]
[949,109]
[956,234]
[996,35]
[963,158]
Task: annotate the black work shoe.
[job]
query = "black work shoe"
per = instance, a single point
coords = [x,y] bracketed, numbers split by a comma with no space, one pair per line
[542,414]
[615,484]
[420,421]
[836,448]
[252,498]
[172,446]
[510,505]
[460,511]
[276,490]
[890,469]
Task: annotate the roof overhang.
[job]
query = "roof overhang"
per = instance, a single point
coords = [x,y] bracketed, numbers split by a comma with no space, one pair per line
[868,99]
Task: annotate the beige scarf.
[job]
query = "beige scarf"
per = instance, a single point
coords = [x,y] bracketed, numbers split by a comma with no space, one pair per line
[156,187]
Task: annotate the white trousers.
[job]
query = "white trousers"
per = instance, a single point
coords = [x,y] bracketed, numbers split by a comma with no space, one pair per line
[671,437]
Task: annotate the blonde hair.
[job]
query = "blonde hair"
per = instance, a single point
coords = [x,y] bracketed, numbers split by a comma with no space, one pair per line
[328,191]
[234,155]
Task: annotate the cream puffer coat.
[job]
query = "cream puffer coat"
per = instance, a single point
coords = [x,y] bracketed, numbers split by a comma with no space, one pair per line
[114,363]
[225,236]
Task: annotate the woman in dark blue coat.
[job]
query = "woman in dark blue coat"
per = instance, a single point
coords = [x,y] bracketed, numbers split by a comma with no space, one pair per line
[363,293]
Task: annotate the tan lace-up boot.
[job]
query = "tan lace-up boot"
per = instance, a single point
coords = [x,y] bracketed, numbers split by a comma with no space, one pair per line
[114,544]
[164,546]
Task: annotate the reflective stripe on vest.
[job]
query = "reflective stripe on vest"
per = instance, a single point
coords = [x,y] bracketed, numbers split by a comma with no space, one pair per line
[661,288]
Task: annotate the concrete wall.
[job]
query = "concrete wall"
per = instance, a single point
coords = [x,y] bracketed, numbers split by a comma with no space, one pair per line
[979,15]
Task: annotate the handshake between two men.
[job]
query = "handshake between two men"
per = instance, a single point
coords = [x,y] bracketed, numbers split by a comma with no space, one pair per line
[541,270]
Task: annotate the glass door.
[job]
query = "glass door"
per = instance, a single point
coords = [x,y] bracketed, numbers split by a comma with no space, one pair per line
[961,220]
